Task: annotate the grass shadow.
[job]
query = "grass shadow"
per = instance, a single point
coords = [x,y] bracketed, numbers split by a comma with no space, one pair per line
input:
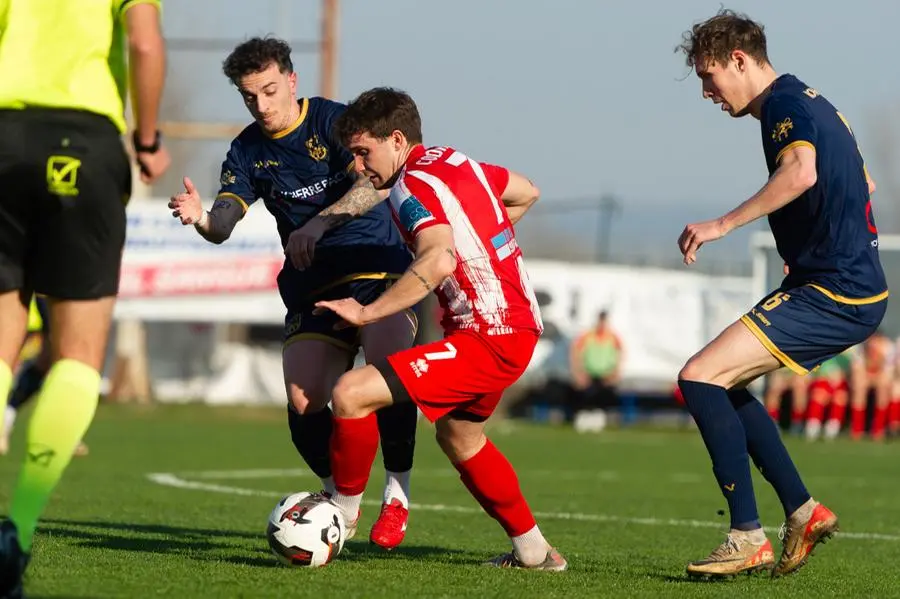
[221,545]
[51,524]
[194,543]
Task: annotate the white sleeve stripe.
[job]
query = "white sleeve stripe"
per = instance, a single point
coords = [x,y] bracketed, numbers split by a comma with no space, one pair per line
[456,158]
[421,222]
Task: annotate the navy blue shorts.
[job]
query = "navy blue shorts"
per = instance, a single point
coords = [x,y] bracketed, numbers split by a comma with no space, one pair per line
[360,272]
[805,326]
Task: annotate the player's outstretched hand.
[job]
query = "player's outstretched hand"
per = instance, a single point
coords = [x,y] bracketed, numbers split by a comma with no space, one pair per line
[696,235]
[301,245]
[186,205]
[350,310]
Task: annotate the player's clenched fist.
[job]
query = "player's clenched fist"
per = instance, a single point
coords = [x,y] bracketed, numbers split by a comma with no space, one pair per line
[186,205]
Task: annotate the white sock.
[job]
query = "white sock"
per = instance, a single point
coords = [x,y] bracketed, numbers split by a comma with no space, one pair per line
[328,485]
[349,505]
[813,428]
[9,419]
[754,537]
[804,512]
[531,548]
[396,486]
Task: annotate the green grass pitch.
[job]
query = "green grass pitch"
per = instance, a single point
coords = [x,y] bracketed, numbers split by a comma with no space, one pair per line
[173,500]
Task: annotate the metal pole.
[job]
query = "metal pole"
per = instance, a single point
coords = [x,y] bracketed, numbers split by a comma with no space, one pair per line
[328,50]
[609,207]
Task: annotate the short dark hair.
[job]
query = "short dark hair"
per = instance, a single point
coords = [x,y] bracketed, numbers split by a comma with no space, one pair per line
[716,38]
[255,55]
[379,112]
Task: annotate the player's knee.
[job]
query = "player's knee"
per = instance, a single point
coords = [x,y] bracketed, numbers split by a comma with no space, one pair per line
[695,370]
[457,445]
[459,449]
[307,399]
[444,441]
[82,330]
[348,399]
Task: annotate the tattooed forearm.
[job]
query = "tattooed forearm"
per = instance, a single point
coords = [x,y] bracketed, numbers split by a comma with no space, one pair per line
[361,198]
[423,280]
[220,221]
[335,220]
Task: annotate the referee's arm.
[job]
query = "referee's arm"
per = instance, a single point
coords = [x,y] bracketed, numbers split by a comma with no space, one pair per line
[147,67]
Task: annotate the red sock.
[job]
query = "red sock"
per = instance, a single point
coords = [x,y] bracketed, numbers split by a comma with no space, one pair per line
[490,478]
[816,410]
[857,421]
[354,443]
[879,419]
[797,416]
[837,412]
[894,413]
[775,413]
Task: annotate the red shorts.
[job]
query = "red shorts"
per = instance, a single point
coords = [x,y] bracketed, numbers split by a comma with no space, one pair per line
[465,371]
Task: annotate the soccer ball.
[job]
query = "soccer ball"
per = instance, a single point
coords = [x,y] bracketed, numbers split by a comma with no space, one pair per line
[306,530]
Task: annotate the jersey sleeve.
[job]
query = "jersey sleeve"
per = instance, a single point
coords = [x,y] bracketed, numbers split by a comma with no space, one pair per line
[417,206]
[341,158]
[234,179]
[497,176]
[789,124]
[122,6]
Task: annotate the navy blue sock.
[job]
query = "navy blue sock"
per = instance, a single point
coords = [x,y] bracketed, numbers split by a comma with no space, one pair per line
[768,451]
[725,440]
[397,428]
[311,434]
[27,384]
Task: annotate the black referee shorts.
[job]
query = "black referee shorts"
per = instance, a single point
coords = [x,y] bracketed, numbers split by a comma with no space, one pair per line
[64,183]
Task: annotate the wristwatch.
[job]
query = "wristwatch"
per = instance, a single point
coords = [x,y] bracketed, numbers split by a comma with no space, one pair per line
[139,147]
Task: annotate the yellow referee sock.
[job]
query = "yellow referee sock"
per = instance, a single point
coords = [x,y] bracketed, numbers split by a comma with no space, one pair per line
[64,411]
[6,380]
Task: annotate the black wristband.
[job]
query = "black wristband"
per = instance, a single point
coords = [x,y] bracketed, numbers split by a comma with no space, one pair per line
[138,147]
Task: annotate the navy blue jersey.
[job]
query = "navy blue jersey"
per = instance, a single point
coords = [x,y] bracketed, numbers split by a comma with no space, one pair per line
[299,172]
[827,236]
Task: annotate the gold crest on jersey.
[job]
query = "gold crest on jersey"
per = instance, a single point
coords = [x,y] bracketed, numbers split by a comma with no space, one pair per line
[781,129]
[316,150]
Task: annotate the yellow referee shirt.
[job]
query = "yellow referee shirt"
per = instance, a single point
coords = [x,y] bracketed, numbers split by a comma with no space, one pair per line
[65,54]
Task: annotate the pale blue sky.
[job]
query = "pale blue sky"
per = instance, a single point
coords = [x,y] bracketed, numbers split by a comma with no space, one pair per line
[586,97]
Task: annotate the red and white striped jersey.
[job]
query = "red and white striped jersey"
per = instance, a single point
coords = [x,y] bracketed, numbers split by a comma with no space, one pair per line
[489,291]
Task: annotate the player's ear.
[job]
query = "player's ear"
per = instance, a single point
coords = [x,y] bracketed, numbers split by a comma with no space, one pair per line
[292,81]
[397,139]
[740,60]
